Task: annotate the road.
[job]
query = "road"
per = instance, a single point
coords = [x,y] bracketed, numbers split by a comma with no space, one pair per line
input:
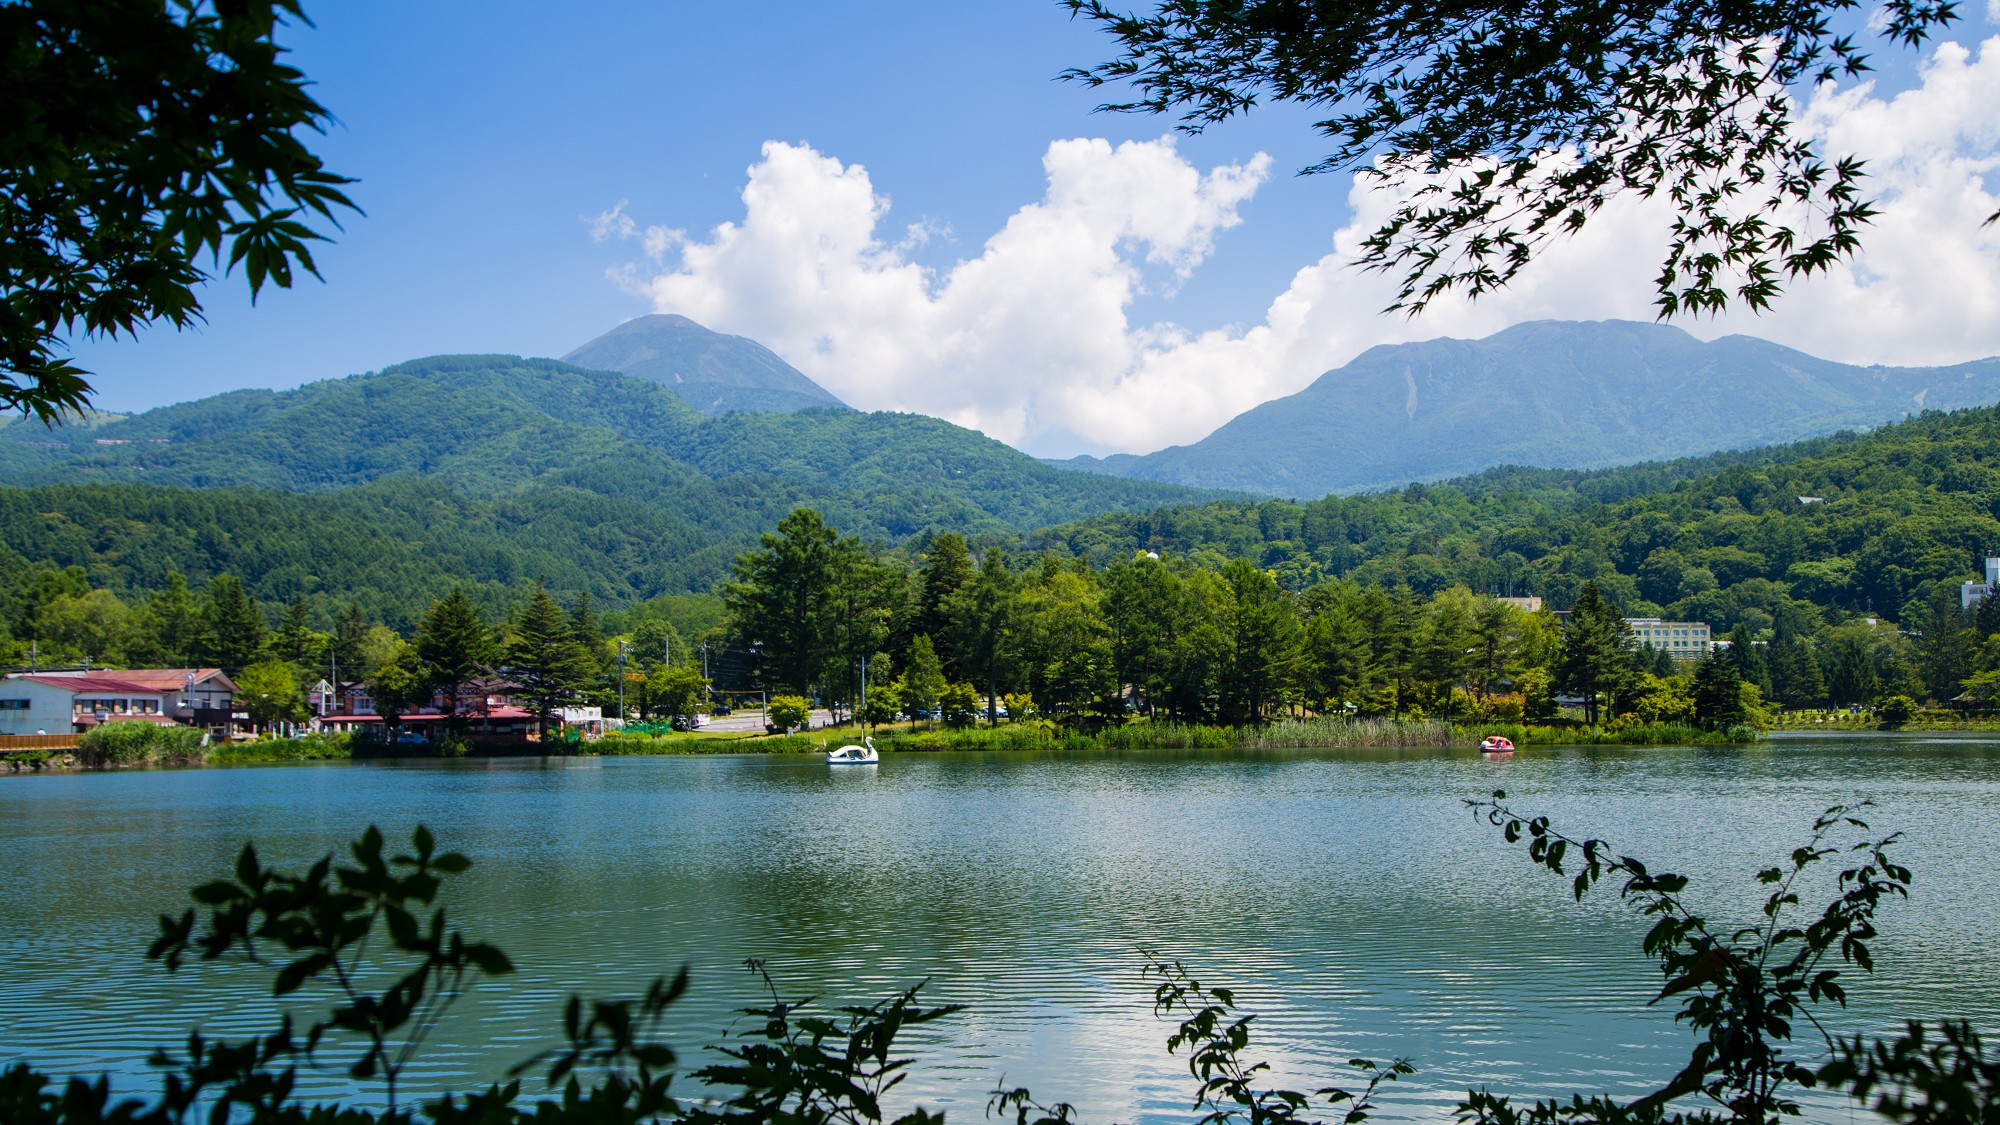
[752,719]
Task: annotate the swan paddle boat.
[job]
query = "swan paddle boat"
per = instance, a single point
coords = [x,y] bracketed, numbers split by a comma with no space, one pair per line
[851,755]
[1496,745]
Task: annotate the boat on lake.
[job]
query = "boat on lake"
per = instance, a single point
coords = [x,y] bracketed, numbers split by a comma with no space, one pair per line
[852,755]
[1497,746]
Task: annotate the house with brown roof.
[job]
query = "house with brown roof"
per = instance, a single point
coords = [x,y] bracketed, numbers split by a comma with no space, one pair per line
[196,697]
[70,704]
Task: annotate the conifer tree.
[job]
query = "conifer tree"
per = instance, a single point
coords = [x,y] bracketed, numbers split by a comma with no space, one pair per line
[924,680]
[782,598]
[454,647]
[235,627]
[947,570]
[176,624]
[1595,661]
[295,643]
[985,611]
[546,659]
[1718,693]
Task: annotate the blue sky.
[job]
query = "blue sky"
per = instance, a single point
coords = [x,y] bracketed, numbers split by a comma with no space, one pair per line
[487,137]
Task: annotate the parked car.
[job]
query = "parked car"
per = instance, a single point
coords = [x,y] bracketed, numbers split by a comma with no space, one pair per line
[411,738]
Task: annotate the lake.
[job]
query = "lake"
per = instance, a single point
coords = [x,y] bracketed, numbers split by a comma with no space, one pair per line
[1348,896]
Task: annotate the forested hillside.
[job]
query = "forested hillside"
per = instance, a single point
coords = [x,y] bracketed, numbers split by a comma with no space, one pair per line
[492,424]
[1848,525]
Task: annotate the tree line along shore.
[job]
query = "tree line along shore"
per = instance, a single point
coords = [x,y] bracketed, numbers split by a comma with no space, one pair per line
[975,647]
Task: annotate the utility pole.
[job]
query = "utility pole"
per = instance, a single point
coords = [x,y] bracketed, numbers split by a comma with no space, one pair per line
[704,662]
[864,694]
[621,683]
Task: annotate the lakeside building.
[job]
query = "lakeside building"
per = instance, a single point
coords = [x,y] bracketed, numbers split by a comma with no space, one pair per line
[1530,604]
[71,702]
[1970,594]
[488,708]
[1683,640]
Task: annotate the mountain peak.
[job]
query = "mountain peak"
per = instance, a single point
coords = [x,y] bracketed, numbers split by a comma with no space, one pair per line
[712,372]
[1548,394]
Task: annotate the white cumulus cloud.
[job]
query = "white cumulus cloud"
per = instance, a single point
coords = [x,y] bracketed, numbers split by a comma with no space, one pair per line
[1032,341]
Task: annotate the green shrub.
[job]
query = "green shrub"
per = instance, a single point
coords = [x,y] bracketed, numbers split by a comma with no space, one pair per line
[139,744]
[788,712]
[1896,709]
[323,747]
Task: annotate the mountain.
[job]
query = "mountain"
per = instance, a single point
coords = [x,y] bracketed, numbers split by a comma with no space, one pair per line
[711,372]
[496,469]
[1846,526]
[1551,394]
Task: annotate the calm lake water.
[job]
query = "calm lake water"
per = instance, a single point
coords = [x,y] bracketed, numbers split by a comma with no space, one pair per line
[1347,895]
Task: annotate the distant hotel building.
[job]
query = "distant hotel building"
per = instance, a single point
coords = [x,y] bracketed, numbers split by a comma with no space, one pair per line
[1683,640]
[1532,605]
[1972,593]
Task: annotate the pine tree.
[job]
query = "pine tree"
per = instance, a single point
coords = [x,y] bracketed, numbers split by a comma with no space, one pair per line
[546,660]
[455,647]
[782,598]
[350,632]
[177,623]
[923,681]
[1595,661]
[1718,693]
[947,570]
[234,626]
[985,611]
[295,643]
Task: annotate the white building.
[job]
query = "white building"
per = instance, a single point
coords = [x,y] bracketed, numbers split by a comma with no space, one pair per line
[201,697]
[1972,593]
[70,703]
[1683,640]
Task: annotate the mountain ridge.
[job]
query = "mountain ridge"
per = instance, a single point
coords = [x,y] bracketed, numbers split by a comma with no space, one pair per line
[1549,394]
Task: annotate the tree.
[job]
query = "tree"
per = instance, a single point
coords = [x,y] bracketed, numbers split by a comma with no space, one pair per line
[271,693]
[172,625]
[1504,127]
[1263,639]
[947,570]
[399,684]
[455,647]
[1595,662]
[1944,639]
[1337,657]
[546,660]
[985,615]
[294,642]
[866,597]
[958,704]
[1496,644]
[142,137]
[923,681]
[789,712]
[1717,692]
[782,598]
[1851,679]
[235,626]
[677,691]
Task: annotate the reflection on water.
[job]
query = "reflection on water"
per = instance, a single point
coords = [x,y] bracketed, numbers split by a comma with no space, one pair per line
[1347,895]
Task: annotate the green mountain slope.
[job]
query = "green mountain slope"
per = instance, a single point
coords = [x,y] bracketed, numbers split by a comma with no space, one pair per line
[1549,394]
[712,372]
[494,469]
[1852,524]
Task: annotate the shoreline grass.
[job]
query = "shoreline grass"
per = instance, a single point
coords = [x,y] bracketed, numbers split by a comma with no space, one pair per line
[1039,735]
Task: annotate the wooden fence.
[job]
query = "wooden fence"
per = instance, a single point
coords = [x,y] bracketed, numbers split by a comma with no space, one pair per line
[12,742]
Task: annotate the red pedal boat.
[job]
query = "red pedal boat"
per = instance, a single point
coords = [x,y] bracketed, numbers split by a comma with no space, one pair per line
[1496,745]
